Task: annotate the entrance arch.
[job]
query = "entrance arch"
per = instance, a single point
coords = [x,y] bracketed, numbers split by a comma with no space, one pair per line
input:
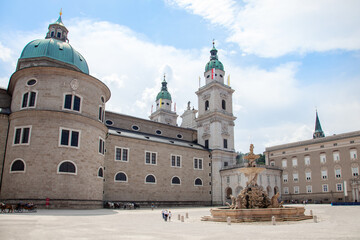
[228,192]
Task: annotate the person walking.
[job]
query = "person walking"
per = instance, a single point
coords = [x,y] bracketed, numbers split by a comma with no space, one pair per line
[170,215]
[166,213]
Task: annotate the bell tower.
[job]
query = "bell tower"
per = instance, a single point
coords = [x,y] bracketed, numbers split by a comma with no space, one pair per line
[215,122]
[163,112]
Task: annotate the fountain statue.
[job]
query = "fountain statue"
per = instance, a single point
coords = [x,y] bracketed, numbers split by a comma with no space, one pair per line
[253,203]
[253,196]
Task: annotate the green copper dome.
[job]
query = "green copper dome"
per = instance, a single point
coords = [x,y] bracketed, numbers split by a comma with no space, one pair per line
[163,94]
[55,49]
[214,62]
[56,46]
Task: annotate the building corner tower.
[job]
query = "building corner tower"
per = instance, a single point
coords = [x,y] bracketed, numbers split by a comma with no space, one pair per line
[215,121]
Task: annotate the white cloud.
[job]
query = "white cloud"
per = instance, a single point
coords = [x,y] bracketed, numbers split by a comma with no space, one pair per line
[136,65]
[270,104]
[115,79]
[275,28]
[5,53]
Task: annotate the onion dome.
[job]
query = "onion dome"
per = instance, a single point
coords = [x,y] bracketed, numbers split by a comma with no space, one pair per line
[56,46]
[214,62]
[163,94]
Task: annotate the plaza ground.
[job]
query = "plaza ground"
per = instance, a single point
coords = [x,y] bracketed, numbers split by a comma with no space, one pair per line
[335,222]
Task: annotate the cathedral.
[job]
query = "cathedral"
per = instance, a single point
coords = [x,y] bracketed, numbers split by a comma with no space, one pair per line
[60,146]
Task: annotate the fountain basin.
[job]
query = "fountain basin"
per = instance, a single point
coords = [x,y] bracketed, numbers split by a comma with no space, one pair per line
[257,215]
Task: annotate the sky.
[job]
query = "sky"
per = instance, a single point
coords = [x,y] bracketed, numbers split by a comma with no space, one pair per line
[286,59]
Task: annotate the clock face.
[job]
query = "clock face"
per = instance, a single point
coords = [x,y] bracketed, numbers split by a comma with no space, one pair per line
[74,84]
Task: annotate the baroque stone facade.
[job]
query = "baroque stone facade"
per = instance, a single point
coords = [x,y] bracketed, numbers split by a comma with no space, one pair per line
[324,169]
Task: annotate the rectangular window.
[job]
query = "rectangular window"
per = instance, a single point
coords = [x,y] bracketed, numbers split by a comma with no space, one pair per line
[308,176]
[72,102]
[336,156]
[76,103]
[285,178]
[101,146]
[309,189]
[284,163]
[322,158]
[22,135]
[353,154]
[325,188]
[294,162]
[228,179]
[296,190]
[176,161]
[198,163]
[147,157]
[25,100]
[100,114]
[225,143]
[206,143]
[295,177]
[339,187]
[226,164]
[121,154]
[68,100]
[355,171]
[150,158]
[286,190]
[338,173]
[69,137]
[307,160]
[324,174]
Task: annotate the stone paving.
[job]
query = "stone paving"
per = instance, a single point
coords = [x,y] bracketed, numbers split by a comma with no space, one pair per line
[335,222]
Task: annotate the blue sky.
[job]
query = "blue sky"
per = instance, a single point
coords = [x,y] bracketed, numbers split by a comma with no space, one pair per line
[285,58]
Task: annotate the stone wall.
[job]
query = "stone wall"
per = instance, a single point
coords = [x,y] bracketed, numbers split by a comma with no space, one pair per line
[135,189]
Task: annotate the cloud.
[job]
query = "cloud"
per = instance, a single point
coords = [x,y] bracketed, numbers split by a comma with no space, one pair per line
[5,53]
[134,66]
[275,28]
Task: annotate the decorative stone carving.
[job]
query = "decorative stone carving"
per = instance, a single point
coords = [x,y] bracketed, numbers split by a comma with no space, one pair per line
[224,129]
[223,95]
[206,96]
[74,84]
[206,128]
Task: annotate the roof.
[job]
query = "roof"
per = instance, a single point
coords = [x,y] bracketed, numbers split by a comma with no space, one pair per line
[214,62]
[55,49]
[163,94]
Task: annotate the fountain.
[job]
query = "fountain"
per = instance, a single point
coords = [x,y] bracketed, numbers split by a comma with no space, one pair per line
[253,204]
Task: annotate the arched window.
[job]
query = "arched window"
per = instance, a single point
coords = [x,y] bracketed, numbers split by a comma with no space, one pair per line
[175,181]
[67,167]
[150,179]
[223,104]
[206,105]
[120,177]
[101,172]
[17,166]
[198,182]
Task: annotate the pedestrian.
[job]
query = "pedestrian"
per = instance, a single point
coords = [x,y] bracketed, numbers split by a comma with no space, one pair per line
[163,214]
[152,206]
[170,215]
[166,213]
